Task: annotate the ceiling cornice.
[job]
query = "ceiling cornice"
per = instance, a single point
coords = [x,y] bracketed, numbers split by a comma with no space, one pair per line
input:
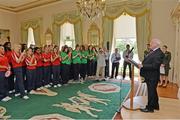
[28,6]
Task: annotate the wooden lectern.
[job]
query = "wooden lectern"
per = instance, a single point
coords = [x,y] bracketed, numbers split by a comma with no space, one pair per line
[134,103]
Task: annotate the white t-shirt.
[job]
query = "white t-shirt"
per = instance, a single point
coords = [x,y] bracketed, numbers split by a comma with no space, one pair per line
[101,60]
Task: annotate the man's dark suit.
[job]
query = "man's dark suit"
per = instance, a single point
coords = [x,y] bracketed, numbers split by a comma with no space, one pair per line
[151,72]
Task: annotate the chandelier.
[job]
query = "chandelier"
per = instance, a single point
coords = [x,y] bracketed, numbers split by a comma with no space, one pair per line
[91,8]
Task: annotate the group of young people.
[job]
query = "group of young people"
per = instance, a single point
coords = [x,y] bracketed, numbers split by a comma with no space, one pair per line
[34,68]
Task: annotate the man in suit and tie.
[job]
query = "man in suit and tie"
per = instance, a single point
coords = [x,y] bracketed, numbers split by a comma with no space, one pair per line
[150,70]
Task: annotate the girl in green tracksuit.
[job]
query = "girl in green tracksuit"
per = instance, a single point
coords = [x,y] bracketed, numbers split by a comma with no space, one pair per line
[66,63]
[76,61]
[84,57]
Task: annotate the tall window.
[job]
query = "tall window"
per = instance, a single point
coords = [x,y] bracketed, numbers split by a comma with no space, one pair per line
[67,36]
[31,40]
[125,33]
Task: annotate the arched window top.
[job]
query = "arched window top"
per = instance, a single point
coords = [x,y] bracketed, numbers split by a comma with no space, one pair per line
[31,40]
[67,36]
[124,26]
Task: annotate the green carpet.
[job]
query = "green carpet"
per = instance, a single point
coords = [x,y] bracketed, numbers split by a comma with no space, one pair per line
[18,108]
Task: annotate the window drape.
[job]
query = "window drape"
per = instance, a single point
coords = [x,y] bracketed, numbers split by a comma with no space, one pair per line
[140,9]
[36,25]
[71,17]
[67,29]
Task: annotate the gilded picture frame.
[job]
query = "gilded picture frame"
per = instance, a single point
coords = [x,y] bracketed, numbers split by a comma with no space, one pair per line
[4,36]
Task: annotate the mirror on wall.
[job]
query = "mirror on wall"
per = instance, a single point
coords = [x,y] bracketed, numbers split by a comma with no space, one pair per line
[4,36]
[48,37]
[94,35]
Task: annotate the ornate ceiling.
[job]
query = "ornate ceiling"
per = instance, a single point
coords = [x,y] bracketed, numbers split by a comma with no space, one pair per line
[20,5]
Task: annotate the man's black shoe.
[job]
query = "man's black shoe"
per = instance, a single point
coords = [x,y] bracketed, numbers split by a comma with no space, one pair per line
[103,79]
[156,108]
[97,80]
[146,110]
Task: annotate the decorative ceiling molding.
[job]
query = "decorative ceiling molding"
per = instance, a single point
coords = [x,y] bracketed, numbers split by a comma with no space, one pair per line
[25,5]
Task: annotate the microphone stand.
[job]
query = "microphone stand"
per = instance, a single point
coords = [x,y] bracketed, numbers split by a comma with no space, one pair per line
[120,97]
[121,103]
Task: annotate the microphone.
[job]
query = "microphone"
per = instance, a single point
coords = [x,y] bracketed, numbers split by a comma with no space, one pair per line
[127,56]
[107,45]
[131,50]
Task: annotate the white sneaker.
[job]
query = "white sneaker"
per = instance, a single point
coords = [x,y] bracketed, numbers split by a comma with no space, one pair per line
[9,98]
[10,92]
[97,78]
[46,86]
[55,86]
[41,88]
[49,85]
[70,81]
[6,99]
[25,97]
[25,91]
[38,89]
[32,92]
[81,81]
[17,94]
[59,85]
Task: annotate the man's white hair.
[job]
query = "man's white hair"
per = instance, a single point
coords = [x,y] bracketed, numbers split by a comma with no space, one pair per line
[157,41]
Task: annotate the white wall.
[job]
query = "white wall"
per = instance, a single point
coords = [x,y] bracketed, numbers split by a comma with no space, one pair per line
[162,26]
[8,21]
